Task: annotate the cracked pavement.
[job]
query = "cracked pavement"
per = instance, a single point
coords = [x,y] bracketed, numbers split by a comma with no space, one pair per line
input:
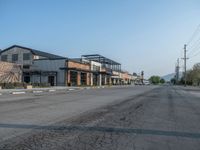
[137,118]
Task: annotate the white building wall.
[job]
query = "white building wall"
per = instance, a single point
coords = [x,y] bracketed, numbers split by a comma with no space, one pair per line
[92,64]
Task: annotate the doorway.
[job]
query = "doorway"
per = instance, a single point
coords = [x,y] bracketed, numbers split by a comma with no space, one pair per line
[73,78]
[83,78]
[51,80]
[27,79]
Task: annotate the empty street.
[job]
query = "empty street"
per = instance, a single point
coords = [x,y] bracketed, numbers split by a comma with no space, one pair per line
[129,118]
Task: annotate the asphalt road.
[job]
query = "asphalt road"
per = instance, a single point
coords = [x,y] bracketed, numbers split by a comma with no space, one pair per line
[131,118]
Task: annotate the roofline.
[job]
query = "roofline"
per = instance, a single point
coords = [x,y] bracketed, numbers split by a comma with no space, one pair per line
[69,59]
[98,55]
[30,49]
[18,47]
[92,55]
[50,59]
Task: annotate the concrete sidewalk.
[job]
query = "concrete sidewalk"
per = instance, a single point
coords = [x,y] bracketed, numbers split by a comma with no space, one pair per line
[53,89]
[56,88]
[36,90]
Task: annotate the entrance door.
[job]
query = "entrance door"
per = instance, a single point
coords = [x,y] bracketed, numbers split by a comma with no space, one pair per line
[51,80]
[95,79]
[83,78]
[27,79]
[73,78]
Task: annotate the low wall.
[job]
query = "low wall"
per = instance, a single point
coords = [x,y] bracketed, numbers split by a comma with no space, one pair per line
[10,73]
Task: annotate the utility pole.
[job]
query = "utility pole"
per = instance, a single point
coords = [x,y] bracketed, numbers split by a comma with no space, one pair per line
[177,71]
[142,77]
[185,63]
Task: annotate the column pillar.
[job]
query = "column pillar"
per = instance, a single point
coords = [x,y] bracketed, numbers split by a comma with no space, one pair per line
[88,79]
[105,80]
[68,78]
[100,80]
[91,79]
[110,81]
[78,78]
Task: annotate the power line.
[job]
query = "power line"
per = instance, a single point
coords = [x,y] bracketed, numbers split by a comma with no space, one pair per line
[197,50]
[195,54]
[195,43]
[194,34]
[194,47]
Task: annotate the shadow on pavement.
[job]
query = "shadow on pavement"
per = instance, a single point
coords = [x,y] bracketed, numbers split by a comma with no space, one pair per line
[104,129]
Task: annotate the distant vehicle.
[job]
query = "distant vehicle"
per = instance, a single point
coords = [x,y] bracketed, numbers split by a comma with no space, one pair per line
[146,82]
[138,83]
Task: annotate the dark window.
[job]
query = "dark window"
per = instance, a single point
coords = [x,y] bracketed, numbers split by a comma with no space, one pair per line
[51,80]
[96,68]
[83,78]
[26,56]
[95,79]
[26,67]
[14,57]
[27,79]
[73,78]
[4,58]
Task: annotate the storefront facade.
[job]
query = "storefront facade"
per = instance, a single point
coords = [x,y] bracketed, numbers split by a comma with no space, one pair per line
[77,73]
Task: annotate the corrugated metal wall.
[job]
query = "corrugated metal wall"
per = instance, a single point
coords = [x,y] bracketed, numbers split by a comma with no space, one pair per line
[51,65]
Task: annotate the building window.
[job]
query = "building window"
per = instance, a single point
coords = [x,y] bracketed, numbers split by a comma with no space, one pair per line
[96,68]
[4,57]
[14,57]
[27,79]
[35,57]
[73,78]
[26,56]
[26,67]
[83,78]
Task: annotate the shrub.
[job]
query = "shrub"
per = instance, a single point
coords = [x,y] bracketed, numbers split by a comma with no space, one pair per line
[12,85]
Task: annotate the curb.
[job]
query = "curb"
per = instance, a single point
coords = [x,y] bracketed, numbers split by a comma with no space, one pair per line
[37,91]
[17,93]
[52,90]
[71,89]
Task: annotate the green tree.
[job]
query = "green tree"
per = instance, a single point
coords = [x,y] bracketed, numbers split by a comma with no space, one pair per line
[190,77]
[193,76]
[154,79]
[162,81]
[196,74]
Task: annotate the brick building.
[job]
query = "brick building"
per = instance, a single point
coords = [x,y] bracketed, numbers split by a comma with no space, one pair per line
[77,73]
[107,67]
[42,67]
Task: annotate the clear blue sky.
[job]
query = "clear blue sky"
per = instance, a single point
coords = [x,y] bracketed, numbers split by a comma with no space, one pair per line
[141,34]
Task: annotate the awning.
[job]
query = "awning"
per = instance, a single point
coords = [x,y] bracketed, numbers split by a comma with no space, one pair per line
[116,77]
